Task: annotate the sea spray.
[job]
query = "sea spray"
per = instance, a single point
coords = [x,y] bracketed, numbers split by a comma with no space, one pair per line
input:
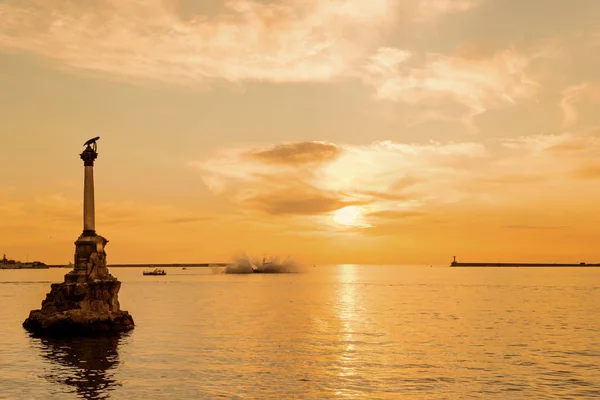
[243,264]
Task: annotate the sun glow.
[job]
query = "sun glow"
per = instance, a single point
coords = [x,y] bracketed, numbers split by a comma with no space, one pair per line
[348,216]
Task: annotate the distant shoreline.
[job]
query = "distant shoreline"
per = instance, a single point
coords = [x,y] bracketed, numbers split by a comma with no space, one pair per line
[197,265]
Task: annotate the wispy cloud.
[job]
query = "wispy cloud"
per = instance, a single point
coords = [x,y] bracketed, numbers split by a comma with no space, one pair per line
[430,9]
[279,41]
[297,154]
[288,41]
[590,171]
[275,41]
[48,224]
[572,96]
[59,211]
[538,144]
[292,201]
[472,79]
[395,214]
[533,227]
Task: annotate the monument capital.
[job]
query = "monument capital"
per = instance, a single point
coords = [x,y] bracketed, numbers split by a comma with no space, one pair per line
[88,156]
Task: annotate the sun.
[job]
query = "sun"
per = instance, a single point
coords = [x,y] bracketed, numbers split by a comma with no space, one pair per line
[348,216]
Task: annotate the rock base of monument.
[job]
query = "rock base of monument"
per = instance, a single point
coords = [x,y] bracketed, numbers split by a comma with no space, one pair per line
[78,322]
[85,304]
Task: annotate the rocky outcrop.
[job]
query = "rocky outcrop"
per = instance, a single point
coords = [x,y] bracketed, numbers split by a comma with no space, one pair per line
[77,322]
[86,303]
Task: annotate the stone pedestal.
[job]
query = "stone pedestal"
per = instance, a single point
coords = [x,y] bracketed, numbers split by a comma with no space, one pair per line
[87,302]
[90,259]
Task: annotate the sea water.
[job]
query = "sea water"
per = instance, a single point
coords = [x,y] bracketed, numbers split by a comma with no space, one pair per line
[333,332]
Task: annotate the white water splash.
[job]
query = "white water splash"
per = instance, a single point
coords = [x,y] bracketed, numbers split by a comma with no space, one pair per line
[243,264]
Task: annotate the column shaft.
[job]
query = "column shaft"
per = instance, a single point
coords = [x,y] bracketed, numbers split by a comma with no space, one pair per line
[89,217]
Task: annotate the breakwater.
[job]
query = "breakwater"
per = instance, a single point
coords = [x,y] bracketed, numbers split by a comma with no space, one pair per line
[484,264]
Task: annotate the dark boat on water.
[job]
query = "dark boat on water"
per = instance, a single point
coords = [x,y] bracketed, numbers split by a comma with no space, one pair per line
[157,271]
[263,268]
[258,270]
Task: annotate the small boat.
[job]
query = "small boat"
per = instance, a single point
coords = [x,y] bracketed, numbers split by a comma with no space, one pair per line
[157,271]
[263,267]
[256,270]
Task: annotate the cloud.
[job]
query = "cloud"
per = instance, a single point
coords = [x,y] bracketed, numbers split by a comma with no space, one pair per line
[395,194]
[186,220]
[383,175]
[297,154]
[563,143]
[244,40]
[572,96]
[471,79]
[533,227]
[292,202]
[568,147]
[430,9]
[537,163]
[393,182]
[65,213]
[276,41]
[591,171]
[395,214]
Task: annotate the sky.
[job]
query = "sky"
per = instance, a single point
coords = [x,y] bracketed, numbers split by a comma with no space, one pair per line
[338,131]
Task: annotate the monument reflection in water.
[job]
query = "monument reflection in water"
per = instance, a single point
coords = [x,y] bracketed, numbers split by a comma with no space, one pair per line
[85,364]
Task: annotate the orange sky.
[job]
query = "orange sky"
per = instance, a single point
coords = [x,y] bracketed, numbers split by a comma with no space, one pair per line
[342,131]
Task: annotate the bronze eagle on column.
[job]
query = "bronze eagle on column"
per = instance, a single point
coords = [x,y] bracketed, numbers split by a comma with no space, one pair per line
[92,143]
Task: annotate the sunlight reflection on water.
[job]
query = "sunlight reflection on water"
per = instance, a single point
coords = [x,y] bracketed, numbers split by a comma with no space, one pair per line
[347,315]
[337,332]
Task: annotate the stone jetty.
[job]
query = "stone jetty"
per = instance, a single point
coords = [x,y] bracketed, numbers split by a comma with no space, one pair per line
[87,302]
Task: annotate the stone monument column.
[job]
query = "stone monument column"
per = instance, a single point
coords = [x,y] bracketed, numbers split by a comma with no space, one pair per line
[87,302]
[88,242]
[89,213]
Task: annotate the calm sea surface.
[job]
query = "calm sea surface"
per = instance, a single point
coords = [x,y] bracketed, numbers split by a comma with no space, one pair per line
[364,332]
